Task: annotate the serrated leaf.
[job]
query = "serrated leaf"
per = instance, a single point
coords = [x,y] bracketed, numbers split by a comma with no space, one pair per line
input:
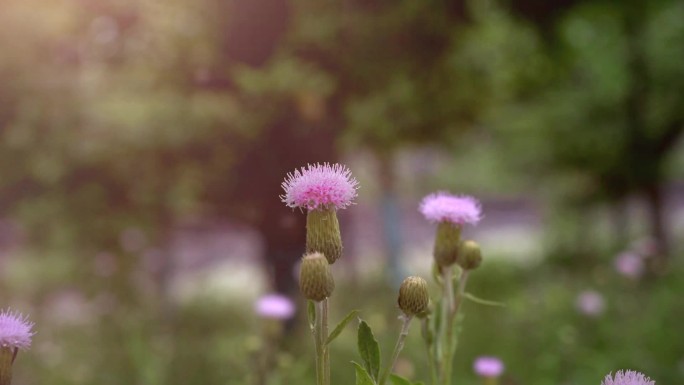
[340,326]
[483,301]
[311,312]
[399,380]
[369,349]
[362,376]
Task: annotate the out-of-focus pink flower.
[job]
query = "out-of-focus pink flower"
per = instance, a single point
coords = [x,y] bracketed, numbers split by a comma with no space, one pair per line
[487,366]
[590,303]
[275,306]
[320,186]
[444,207]
[629,377]
[15,330]
[629,264]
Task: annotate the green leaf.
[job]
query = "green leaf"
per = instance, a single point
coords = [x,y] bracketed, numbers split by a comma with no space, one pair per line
[340,326]
[483,301]
[399,380]
[311,312]
[362,376]
[369,349]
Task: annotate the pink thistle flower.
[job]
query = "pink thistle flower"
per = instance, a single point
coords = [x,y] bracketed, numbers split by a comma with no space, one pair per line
[15,330]
[486,366]
[444,207]
[590,303]
[629,377]
[275,306]
[629,265]
[320,186]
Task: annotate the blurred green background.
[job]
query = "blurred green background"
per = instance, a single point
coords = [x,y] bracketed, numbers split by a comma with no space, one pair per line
[143,143]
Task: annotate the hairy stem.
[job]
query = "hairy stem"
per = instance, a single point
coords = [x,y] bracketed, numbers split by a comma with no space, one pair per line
[425,328]
[451,346]
[324,337]
[397,348]
[319,342]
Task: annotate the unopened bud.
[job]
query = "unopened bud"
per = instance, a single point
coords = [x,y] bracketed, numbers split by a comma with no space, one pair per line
[315,279]
[470,256]
[414,297]
[447,243]
[323,233]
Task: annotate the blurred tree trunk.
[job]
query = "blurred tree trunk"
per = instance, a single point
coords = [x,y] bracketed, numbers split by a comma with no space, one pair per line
[646,156]
[620,222]
[390,214]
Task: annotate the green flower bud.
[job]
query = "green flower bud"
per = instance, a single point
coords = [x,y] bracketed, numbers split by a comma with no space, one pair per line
[414,297]
[315,279]
[323,233]
[470,255]
[447,243]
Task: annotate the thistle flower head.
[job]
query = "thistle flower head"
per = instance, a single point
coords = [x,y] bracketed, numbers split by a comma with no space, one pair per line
[16,330]
[486,366]
[320,186]
[275,306]
[629,377]
[444,207]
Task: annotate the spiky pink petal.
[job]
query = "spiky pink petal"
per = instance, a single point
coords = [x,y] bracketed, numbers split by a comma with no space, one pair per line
[629,377]
[445,207]
[16,330]
[320,186]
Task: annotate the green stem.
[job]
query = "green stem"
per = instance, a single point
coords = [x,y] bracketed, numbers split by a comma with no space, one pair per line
[445,328]
[451,346]
[397,348]
[425,328]
[324,337]
[319,342]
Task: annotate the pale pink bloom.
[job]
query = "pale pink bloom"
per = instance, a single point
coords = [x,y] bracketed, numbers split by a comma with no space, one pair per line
[275,306]
[487,366]
[629,377]
[15,330]
[444,207]
[629,264]
[320,186]
[590,303]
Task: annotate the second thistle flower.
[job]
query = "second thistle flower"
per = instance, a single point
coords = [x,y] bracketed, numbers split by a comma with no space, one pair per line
[321,189]
[450,212]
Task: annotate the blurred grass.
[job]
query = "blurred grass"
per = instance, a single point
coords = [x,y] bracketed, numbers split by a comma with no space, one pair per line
[539,334]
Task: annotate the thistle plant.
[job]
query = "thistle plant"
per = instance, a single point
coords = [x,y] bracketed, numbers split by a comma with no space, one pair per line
[321,190]
[450,213]
[16,333]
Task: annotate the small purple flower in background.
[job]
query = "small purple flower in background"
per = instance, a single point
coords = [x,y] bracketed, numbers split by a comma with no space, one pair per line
[486,366]
[444,207]
[320,186]
[16,330]
[275,306]
[591,303]
[629,377]
[629,264]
